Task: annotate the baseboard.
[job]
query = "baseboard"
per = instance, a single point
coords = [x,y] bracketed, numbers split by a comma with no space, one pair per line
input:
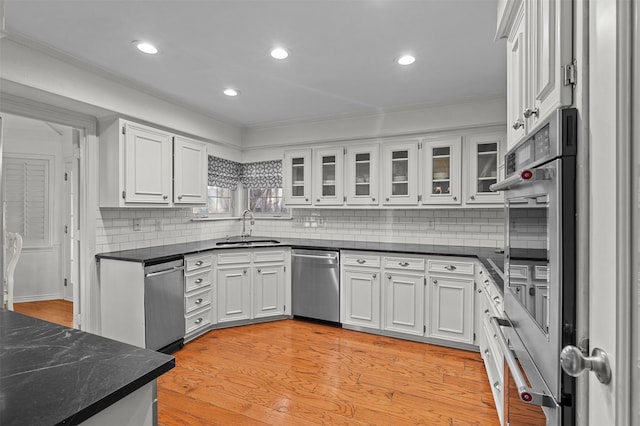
[38,298]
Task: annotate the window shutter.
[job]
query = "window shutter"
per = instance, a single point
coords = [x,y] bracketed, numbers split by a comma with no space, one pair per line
[26,192]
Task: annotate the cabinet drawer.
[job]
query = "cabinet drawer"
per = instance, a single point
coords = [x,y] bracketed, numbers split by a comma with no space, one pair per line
[408,263]
[197,320]
[234,257]
[197,300]
[269,256]
[197,280]
[518,271]
[447,266]
[361,260]
[541,273]
[492,351]
[196,262]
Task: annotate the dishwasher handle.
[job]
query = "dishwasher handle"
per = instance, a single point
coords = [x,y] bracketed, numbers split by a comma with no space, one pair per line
[312,256]
[164,271]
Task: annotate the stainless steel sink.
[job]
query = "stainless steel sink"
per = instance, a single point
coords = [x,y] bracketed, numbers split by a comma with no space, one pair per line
[248,243]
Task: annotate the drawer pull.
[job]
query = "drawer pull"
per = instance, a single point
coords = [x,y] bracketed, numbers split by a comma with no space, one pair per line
[450,268]
[487,353]
[496,299]
[198,321]
[199,263]
[199,301]
[361,261]
[497,386]
[486,311]
[403,264]
[199,280]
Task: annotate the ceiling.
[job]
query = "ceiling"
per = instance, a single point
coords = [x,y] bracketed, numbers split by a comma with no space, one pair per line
[342,52]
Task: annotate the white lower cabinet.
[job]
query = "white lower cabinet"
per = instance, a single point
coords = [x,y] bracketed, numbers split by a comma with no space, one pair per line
[199,300]
[361,297]
[403,302]
[451,308]
[252,284]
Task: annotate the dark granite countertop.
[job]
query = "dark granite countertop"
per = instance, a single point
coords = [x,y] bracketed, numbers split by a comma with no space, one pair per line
[492,259]
[50,374]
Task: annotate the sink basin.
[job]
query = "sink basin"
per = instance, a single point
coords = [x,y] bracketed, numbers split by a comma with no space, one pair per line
[248,243]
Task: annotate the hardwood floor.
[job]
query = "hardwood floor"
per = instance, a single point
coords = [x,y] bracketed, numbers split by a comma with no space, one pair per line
[56,311]
[300,373]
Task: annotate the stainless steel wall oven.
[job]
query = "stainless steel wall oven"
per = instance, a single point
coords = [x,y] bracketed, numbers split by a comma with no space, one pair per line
[539,296]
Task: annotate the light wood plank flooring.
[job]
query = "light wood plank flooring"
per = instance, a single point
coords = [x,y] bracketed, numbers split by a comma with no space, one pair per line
[300,373]
[56,311]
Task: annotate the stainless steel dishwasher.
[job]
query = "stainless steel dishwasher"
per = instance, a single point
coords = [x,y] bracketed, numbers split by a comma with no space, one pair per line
[164,305]
[315,284]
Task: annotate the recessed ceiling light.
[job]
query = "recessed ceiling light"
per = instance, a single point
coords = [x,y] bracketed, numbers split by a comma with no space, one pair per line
[146,47]
[406,60]
[231,92]
[279,53]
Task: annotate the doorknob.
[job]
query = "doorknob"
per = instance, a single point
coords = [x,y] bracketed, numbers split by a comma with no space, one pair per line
[574,362]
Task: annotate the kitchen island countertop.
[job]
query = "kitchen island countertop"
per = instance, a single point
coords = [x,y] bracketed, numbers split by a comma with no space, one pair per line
[491,258]
[51,374]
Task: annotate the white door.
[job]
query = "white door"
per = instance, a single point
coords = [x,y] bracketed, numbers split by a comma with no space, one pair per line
[189,171]
[234,293]
[404,303]
[148,174]
[400,173]
[328,176]
[484,154]
[361,298]
[296,177]
[268,293]
[363,169]
[442,174]
[516,79]
[451,308]
[71,231]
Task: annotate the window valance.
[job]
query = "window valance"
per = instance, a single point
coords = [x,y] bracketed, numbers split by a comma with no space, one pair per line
[256,175]
[224,173]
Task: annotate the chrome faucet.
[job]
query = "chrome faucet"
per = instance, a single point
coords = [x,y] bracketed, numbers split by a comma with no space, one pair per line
[244,219]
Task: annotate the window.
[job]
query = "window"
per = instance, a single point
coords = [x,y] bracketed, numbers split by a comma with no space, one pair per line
[26,195]
[267,202]
[221,202]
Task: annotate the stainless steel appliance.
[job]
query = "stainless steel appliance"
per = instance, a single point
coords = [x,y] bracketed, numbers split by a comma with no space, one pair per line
[315,284]
[539,296]
[164,305]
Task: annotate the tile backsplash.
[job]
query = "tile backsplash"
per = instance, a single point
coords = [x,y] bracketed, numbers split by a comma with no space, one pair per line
[465,227]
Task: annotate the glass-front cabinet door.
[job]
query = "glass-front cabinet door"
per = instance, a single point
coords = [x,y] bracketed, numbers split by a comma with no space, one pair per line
[442,176]
[485,158]
[328,179]
[297,177]
[362,170]
[400,179]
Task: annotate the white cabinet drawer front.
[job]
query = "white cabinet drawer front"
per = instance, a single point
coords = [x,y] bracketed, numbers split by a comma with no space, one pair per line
[446,266]
[541,273]
[492,352]
[408,263]
[361,260]
[197,300]
[518,271]
[197,262]
[197,320]
[234,257]
[269,256]
[198,280]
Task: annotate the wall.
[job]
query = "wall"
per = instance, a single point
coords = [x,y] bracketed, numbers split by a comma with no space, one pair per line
[464,227]
[25,136]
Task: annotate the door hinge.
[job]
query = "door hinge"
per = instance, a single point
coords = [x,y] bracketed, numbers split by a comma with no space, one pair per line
[420,145]
[570,74]
[474,286]
[65,282]
[124,194]
[344,151]
[419,197]
[66,229]
[344,199]
[66,176]
[424,328]
[285,269]
[124,130]
[425,280]
[474,337]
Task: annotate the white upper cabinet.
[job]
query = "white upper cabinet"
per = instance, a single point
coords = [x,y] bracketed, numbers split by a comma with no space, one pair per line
[484,155]
[539,61]
[189,171]
[296,177]
[363,169]
[400,173]
[442,171]
[328,176]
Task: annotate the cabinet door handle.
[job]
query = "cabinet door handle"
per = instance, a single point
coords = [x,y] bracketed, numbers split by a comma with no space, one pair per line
[497,386]
[387,199]
[199,263]
[517,124]
[373,199]
[529,112]
[487,353]
[388,276]
[179,197]
[164,197]
[403,264]
[259,270]
[199,301]
[306,199]
[199,280]
[455,198]
[435,282]
[361,261]
[450,268]
[244,272]
[473,197]
[198,321]
[375,275]
[317,200]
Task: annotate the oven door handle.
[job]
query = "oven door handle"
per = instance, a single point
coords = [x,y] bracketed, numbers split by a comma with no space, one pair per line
[527,394]
[525,176]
